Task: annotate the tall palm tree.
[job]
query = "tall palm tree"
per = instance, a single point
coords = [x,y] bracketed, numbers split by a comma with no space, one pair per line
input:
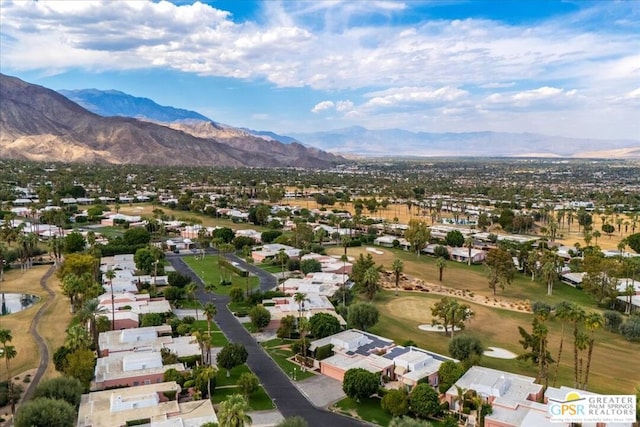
[549,272]
[300,298]
[207,374]
[190,290]
[233,412]
[89,314]
[303,331]
[281,258]
[579,340]
[3,254]
[210,311]
[110,275]
[397,268]
[8,353]
[441,263]
[468,243]
[592,321]
[562,312]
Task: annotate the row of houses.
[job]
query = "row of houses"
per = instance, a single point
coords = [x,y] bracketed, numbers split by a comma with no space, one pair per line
[395,363]
[516,400]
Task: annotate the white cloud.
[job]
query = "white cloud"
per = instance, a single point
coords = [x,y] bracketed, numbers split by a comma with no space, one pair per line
[344,106]
[413,95]
[322,106]
[634,94]
[541,96]
[430,72]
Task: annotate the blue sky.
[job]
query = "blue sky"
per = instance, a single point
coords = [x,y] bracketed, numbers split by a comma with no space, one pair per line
[569,68]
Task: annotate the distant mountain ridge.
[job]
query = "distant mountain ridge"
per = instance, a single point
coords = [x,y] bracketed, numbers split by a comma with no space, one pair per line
[115,103]
[37,123]
[357,140]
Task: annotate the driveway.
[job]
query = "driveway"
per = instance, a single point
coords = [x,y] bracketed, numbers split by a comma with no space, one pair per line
[285,395]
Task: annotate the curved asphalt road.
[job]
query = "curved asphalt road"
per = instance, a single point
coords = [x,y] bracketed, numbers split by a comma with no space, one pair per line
[286,396]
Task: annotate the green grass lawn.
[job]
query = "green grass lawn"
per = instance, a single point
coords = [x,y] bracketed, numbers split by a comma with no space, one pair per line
[367,409]
[613,356]
[280,356]
[209,272]
[226,386]
[258,401]
[271,268]
[218,339]
[193,304]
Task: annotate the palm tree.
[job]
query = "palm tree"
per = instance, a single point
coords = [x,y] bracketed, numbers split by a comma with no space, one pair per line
[592,322]
[300,298]
[579,340]
[190,290]
[563,312]
[549,273]
[303,331]
[233,412]
[371,282]
[211,289]
[8,352]
[204,343]
[397,268]
[3,253]
[441,263]
[282,258]
[110,275]
[206,374]
[210,311]
[468,243]
[77,338]
[89,313]
[459,399]
[595,235]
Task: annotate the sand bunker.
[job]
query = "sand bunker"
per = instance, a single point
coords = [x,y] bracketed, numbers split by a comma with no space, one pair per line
[499,353]
[434,328]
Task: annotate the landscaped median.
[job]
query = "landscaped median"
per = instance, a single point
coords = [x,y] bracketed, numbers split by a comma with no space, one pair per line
[210,273]
[280,351]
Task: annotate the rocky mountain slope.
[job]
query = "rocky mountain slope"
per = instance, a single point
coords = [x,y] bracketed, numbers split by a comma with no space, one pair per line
[37,123]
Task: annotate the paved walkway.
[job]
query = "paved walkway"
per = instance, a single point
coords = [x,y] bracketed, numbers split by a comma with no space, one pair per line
[42,345]
[289,400]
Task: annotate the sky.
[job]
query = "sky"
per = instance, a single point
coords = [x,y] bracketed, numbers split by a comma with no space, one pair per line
[565,68]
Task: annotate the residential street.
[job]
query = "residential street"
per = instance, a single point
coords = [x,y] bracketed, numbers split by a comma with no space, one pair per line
[286,396]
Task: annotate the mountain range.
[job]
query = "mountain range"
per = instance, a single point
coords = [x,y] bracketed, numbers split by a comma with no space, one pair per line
[92,125]
[37,123]
[358,141]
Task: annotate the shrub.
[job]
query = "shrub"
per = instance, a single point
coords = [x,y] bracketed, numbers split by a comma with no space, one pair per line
[260,317]
[324,352]
[236,294]
[612,320]
[396,402]
[631,328]
[359,383]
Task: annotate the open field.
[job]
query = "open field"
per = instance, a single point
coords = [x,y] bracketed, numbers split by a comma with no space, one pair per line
[53,324]
[613,356]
